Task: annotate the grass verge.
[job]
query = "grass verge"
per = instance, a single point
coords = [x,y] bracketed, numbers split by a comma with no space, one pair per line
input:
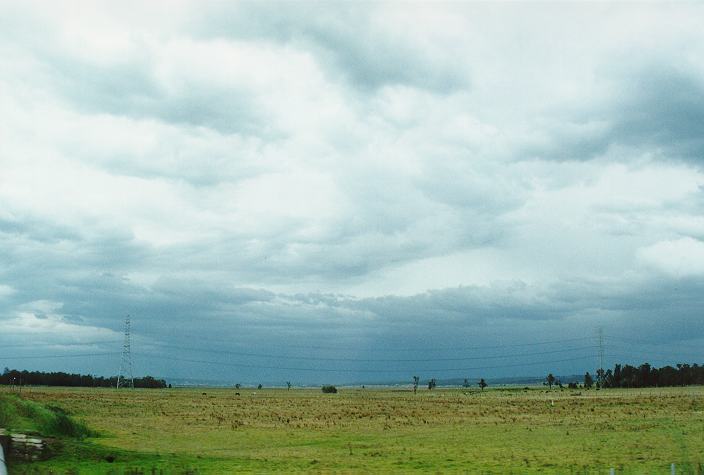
[20,415]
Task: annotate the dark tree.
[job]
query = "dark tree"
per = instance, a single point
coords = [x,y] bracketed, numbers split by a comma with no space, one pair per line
[416,380]
[550,380]
[40,378]
[482,384]
[466,383]
[617,376]
[645,375]
[432,383]
[600,378]
[288,385]
[588,381]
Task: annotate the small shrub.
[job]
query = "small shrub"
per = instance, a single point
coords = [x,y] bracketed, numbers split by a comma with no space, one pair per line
[329,389]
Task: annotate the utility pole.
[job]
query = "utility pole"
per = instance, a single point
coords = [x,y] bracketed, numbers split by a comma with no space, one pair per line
[126,361]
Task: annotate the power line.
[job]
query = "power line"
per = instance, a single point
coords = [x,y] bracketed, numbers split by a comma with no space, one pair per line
[410,349]
[649,354]
[317,358]
[56,356]
[34,345]
[654,362]
[315,347]
[356,370]
[369,360]
[650,343]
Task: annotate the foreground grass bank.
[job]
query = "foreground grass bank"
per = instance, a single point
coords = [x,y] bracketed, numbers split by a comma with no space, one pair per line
[22,415]
[497,431]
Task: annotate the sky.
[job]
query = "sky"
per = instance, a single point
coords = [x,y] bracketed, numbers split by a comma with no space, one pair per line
[341,192]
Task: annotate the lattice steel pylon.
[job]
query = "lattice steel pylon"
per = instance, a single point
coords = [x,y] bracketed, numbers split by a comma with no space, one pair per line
[125,375]
[600,373]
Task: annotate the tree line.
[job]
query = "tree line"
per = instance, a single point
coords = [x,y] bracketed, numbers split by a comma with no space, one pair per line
[41,378]
[645,375]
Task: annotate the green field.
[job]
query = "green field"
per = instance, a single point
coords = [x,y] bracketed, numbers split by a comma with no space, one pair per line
[357,430]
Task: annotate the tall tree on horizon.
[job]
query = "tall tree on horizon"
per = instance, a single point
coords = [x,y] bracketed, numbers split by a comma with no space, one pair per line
[550,380]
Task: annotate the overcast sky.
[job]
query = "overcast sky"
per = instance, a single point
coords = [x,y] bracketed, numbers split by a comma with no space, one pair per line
[330,188]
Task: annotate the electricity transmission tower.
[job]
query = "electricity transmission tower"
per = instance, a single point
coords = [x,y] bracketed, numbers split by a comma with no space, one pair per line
[600,373]
[125,373]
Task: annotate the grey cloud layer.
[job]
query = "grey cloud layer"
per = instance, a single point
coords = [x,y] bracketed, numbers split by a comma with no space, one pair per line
[356,44]
[255,322]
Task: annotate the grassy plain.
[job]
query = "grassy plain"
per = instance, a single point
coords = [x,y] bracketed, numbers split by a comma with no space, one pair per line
[444,430]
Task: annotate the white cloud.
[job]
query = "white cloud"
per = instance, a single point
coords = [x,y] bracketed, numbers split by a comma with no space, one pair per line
[41,321]
[683,257]
[6,291]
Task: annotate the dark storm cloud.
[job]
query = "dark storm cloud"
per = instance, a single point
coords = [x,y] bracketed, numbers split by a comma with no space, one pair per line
[194,323]
[132,90]
[28,229]
[656,109]
[348,41]
[183,317]
[663,110]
